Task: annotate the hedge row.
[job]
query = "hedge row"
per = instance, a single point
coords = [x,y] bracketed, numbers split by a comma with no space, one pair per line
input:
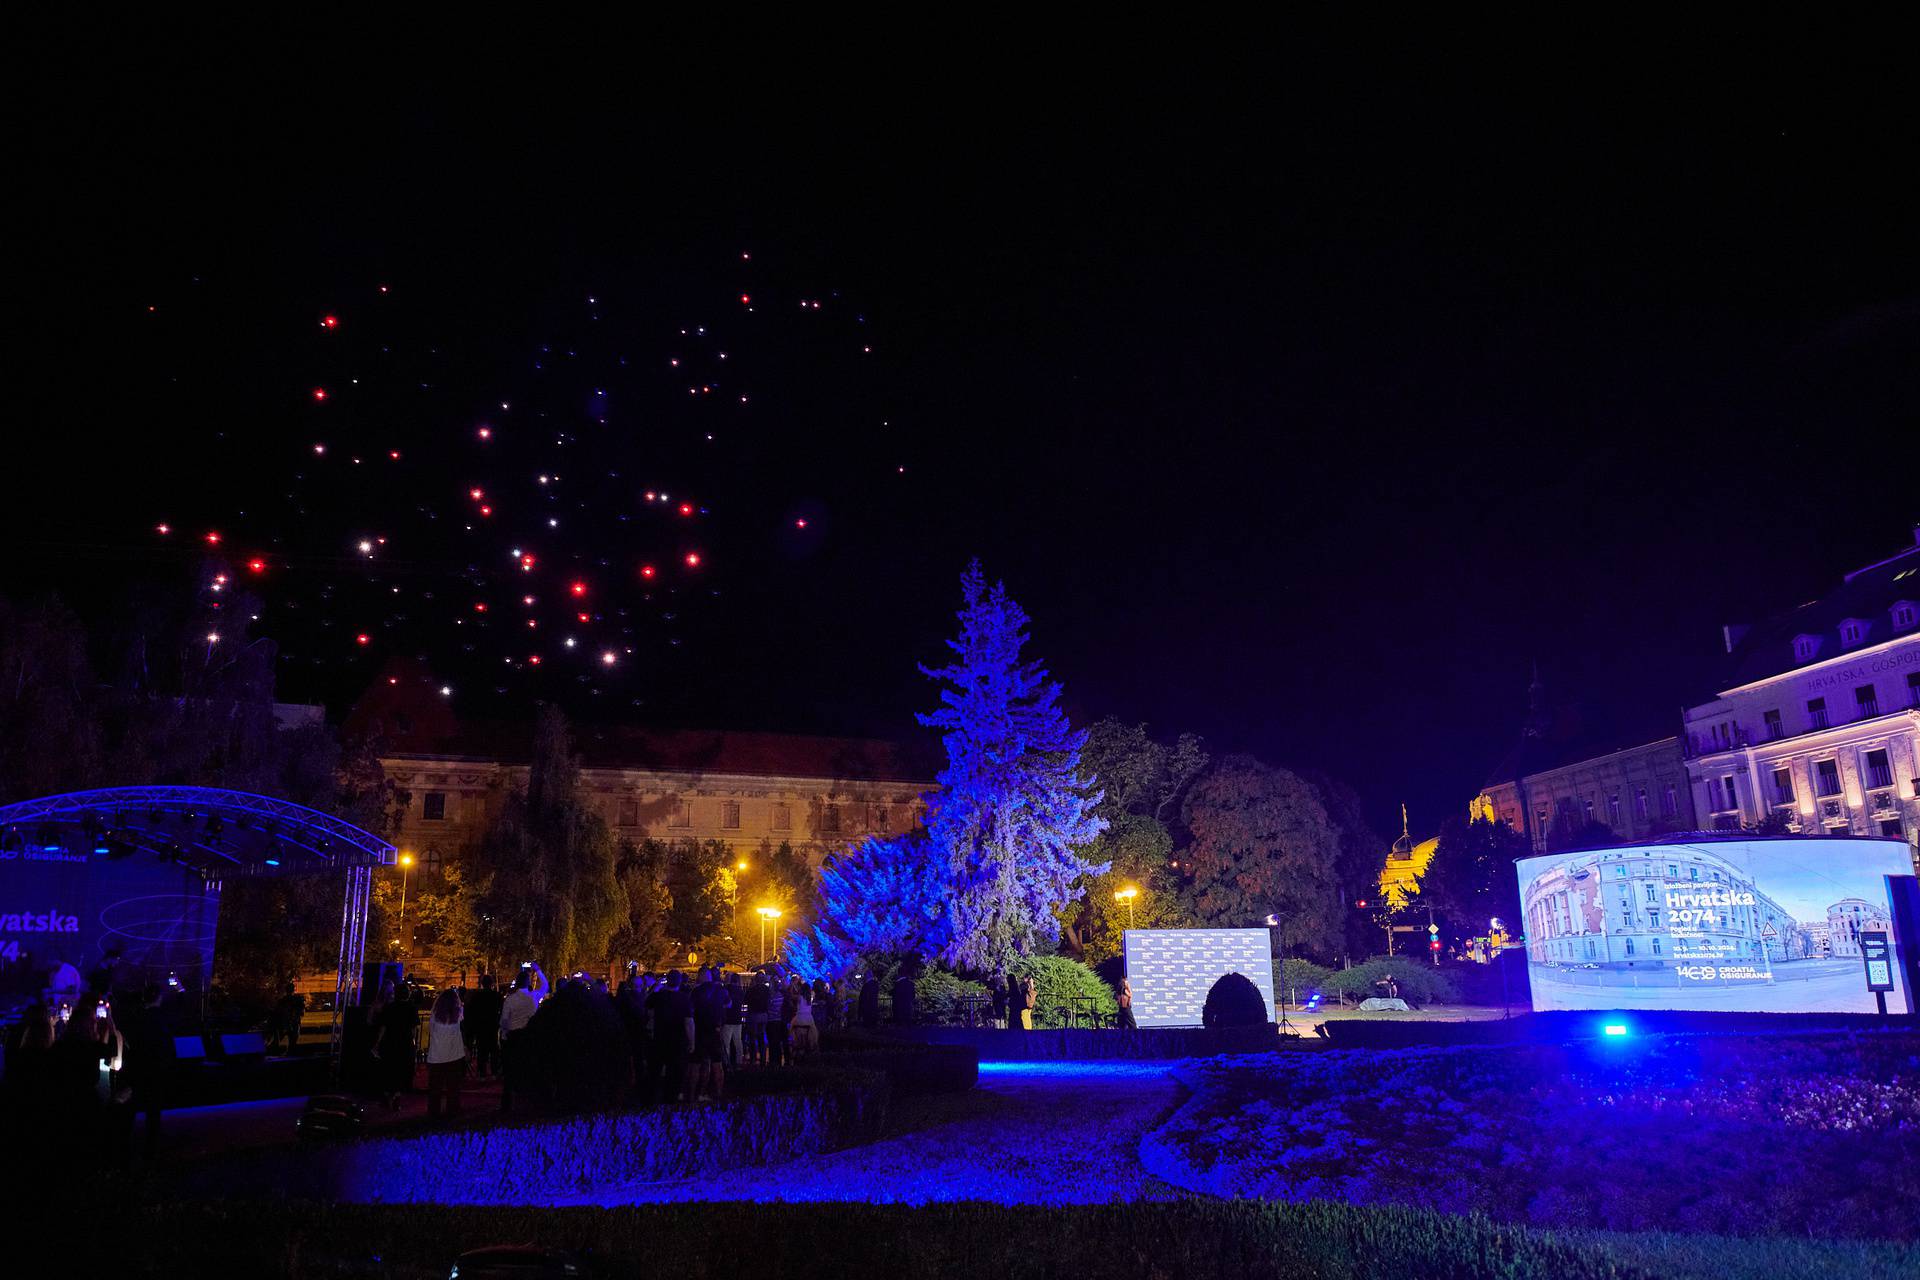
[910,1066]
[1242,1239]
[535,1160]
[1062,1044]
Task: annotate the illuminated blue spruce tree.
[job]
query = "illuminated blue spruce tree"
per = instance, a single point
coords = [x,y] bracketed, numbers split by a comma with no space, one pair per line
[997,862]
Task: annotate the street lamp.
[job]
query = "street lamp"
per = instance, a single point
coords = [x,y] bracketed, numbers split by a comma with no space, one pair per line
[406,865]
[739,869]
[1127,895]
[766,914]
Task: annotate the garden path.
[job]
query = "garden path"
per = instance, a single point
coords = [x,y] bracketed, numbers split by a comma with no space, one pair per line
[1031,1133]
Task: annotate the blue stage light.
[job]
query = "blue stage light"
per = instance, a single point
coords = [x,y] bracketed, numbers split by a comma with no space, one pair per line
[273,862]
[1615,1029]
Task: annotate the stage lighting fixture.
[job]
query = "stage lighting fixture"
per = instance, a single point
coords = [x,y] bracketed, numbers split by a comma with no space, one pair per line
[1615,1029]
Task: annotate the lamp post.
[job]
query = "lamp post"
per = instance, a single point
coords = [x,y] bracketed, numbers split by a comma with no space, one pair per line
[766,914]
[406,865]
[739,869]
[1127,895]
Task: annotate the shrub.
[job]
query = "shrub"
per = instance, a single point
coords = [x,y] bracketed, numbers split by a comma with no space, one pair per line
[531,1161]
[1418,983]
[1296,978]
[938,991]
[1233,1001]
[1063,983]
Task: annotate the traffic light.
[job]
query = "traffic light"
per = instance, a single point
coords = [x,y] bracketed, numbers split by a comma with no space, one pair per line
[1433,944]
[1360,902]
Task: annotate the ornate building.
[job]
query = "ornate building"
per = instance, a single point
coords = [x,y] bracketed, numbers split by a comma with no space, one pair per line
[1817,727]
[754,791]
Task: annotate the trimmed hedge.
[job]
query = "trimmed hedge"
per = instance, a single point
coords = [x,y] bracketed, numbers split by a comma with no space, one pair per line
[1063,1044]
[535,1160]
[910,1066]
[1419,983]
[1242,1239]
[937,994]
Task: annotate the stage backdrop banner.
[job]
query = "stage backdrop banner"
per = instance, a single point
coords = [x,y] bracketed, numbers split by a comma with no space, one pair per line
[1171,970]
[57,905]
[1781,925]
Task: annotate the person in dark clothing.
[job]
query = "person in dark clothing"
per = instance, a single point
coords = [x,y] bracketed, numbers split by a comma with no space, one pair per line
[286,1020]
[998,1009]
[399,1045]
[903,998]
[776,1023]
[483,1028]
[149,1061]
[671,1011]
[709,1040]
[870,1001]
[759,1002]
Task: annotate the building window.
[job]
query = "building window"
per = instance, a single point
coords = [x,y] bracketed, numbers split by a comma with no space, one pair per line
[1656,941]
[783,817]
[1629,946]
[434,807]
[1587,808]
[1693,873]
[1673,871]
[682,814]
[1913,689]
[1879,769]
[1827,778]
[1640,804]
[1805,648]
[1891,827]
[1817,712]
[1670,802]
[1653,893]
[431,859]
[1613,811]
[879,818]
[1905,614]
[1776,727]
[1619,870]
[730,814]
[1783,786]
[830,817]
[1852,632]
[629,813]
[1867,699]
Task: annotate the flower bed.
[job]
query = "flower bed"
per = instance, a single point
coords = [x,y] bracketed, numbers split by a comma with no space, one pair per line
[1753,1134]
[537,1160]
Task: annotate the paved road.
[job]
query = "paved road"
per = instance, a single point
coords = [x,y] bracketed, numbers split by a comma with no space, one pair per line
[1032,1133]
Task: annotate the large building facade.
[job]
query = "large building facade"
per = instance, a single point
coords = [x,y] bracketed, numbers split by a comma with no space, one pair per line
[1637,793]
[1818,728]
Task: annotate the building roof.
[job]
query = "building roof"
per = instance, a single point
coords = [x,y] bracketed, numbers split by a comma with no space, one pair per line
[681,751]
[1866,595]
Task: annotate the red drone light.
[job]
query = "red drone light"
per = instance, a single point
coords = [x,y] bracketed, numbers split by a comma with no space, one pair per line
[476,494]
[394,454]
[329,322]
[579,588]
[647,571]
[693,559]
[480,606]
[319,393]
[526,562]
[162,529]
[745,300]
[534,659]
[686,508]
[799,524]
[583,617]
[363,638]
[486,433]
[485,510]
[213,539]
[257,565]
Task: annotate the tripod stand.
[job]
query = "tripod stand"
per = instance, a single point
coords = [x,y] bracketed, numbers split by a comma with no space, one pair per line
[1282,1027]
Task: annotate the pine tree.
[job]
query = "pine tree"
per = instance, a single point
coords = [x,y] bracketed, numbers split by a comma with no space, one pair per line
[1012,803]
[550,862]
[885,897]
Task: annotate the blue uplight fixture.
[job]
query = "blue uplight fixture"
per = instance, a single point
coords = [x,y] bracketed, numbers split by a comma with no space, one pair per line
[1614,1029]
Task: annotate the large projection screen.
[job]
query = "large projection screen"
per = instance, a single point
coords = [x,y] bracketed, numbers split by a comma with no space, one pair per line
[1761,925]
[1171,970]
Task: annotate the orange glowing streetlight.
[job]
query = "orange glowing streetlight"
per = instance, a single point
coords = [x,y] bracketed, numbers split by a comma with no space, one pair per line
[406,865]
[1127,895]
[766,914]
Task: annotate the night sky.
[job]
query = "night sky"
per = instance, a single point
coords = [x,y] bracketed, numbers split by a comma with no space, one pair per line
[1304,411]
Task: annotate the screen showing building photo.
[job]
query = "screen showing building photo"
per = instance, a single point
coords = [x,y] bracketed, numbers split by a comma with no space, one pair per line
[1783,925]
[1171,970]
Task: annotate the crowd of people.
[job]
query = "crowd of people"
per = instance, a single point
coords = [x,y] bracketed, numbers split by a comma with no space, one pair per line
[82,1066]
[660,1037]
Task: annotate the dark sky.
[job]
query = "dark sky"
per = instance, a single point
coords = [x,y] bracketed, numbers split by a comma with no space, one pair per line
[1303,409]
